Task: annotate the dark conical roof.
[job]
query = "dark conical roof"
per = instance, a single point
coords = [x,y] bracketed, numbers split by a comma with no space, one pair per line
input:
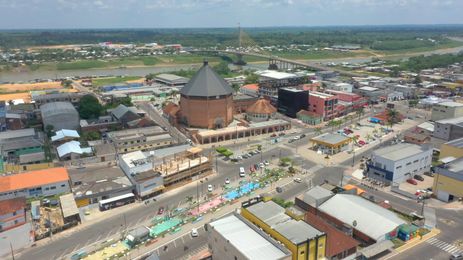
[206,83]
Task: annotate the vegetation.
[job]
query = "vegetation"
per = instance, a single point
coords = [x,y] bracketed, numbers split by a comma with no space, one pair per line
[434,61]
[126,101]
[90,136]
[251,79]
[108,81]
[282,202]
[89,107]
[285,161]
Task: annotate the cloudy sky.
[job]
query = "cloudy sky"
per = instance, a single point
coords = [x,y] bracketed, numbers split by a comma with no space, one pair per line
[17,14]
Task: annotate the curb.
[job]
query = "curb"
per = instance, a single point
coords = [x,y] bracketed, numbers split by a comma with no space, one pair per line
[434,232]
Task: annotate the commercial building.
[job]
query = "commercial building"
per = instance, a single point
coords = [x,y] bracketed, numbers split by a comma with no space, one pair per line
[302,240]
[12,213]
[291,101]
[365,220]
[339,245]
[329,143]
[250,89]
[260,111]
[397,163]
[94,183]
[40,98]
[324,105]
[60,115]
[184,167]
[373,95]
[170,80]
[449,129]
[146,138]
[21,147]
[240,131]
[139,169]
[47,182]
[233,237]
[446,110]
[271,81]
[125,114]
[453,148]
[207,100]
[344,87]
[448,180]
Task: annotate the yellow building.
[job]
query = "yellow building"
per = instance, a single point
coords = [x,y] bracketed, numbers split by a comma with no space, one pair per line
[304,241]
[330,143]
[453,148]
[448,181]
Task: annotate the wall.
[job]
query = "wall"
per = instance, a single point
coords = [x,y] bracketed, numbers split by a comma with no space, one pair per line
[27,167]
[46,190]
[149,186]
[440,112]
[442,131]
[10,220]
[444,184]
[203,113]
[419,164]
[449,150]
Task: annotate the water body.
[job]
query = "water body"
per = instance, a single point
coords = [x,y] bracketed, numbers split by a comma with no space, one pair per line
[143,71]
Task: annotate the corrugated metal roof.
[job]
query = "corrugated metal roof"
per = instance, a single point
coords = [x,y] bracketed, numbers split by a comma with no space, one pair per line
[206,83]
[349,208]
[63,133]
[68,205]
[400,151]
[244,238]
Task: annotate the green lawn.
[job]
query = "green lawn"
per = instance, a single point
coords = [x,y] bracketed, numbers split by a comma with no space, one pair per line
[323,54]
[108,81]
[449,44]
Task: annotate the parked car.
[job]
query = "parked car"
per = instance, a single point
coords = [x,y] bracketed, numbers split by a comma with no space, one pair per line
[418,177]
[281,134]
[430,174]
[227,181]
[261,165]
[291,140]
[297,180]
[209,187]
[456,256]
[267,163]
[361,142]
[273,135]
[302,135]
[412,181]
[279,189]
[161,210]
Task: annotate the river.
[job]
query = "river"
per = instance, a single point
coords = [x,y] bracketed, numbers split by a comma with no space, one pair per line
[14,76]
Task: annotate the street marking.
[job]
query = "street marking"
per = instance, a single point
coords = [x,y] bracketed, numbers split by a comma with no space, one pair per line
[444,246]
[175,244]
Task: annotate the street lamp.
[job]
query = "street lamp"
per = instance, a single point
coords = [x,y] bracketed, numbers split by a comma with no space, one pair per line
[11,248]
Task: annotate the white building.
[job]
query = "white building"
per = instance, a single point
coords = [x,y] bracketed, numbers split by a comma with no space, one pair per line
[41,183]
[446,110]
[135,162]
[346,87]
[397,163]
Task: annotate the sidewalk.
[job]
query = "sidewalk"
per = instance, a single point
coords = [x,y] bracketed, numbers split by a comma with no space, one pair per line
[412,243]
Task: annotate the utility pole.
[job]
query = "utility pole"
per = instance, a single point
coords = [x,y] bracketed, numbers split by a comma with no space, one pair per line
[11,248]
[239,36]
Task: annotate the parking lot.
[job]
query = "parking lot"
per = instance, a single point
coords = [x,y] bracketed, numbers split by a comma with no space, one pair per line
[420,185]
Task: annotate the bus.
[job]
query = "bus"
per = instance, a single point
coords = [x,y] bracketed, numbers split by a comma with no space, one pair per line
[116,201]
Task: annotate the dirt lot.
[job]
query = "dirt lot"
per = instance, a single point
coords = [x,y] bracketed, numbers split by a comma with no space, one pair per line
[52,214]
[9,88]
[26,96]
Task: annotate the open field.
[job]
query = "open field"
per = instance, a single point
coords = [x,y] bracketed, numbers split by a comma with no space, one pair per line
[115,80]
[7,97]
[15,88]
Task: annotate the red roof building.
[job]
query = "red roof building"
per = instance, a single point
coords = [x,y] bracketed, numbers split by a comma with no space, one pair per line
[339,244]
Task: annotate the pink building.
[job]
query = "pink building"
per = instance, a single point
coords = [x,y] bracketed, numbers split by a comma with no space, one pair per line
[323,104]
[350,101]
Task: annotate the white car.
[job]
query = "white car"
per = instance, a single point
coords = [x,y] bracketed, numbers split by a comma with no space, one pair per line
[261,165]
[266,163]
[194,232]
[209,188]
[297,180]
[227,181]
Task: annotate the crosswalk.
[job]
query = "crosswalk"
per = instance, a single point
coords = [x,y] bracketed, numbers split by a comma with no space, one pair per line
[444,246]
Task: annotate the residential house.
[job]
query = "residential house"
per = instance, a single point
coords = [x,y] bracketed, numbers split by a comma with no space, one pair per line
[12,213]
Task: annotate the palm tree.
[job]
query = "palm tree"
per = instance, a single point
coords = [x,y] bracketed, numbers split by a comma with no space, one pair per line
[360,111]
[349,118]
[392,117]
[339,123]
[318,131]
[332,124]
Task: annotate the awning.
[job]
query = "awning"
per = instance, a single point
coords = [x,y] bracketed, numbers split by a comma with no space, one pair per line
[377,248]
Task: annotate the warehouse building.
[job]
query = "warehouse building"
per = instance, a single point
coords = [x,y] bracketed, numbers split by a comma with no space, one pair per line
[60,115]
[233,237]
[448,180]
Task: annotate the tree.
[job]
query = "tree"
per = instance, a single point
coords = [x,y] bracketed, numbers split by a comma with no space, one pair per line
[360,111]
[318,130]
[222,69]
[150,77]
[332,124]
[417,80]
[395,72]
[392,117]
[413,102]
[91,136]
[89,107]
[251,79]
[66,83]
[49,130]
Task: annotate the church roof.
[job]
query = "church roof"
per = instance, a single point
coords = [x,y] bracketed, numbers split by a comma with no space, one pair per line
[261,106]
[206,83]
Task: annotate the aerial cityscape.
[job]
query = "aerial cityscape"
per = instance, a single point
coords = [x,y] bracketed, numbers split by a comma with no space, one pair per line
[231,130]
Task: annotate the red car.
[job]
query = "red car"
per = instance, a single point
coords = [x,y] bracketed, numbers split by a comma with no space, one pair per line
[412,181]
[160,210]
[361,142]
[273,135]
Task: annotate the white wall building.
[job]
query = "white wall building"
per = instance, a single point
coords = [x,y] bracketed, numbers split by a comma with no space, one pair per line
[135,162]
[397,163]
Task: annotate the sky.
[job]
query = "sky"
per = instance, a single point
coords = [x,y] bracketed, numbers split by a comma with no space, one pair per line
[48,14]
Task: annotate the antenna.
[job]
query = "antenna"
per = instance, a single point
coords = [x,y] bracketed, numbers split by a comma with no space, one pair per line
[239,35]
